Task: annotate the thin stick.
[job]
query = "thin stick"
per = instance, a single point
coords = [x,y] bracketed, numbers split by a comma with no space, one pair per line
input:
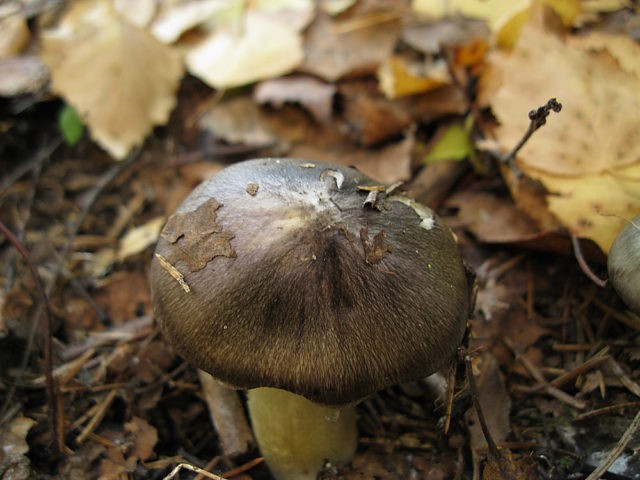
[193,468]
[243,468]
[57,443]
[537,119]
[633,427]
[451,381]
[544,385]
[584,266]
[475,397]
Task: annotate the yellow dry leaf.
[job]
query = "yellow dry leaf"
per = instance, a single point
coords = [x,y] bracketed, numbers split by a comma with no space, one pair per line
[507,30]
[504,17]
[254,48]
[492,11]
[604,5]
[119,78]
[397,78]
[176,18]
[595,206]
[622,47]
[598,127]
[588,156]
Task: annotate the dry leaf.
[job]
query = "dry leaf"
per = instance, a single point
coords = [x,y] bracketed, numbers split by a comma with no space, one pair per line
[588,156]
[138,13]
[14,35]
[332,52]
[119,78]
[176,18]
[432,37]
[490,218]
[495,12]
[145,437]
[399,76]
[139,238]
[492,11]
[24,74]
[13,449]
[314,95]
[238,120]
[251,48]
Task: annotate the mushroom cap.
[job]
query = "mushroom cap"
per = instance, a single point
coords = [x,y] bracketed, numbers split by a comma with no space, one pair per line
[294,275]
[623,264]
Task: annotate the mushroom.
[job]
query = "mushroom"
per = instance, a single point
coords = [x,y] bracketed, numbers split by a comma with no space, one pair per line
[623,264]
[312,286]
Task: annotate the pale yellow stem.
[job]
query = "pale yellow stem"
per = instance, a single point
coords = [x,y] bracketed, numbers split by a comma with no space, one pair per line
[297,437]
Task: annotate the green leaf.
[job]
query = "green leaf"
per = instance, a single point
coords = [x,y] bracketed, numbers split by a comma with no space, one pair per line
[70,125]
[453,143]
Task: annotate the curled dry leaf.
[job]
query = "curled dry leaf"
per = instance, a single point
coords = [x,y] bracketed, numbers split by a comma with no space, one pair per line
[119,78]
[314,95]
[176,18]
[588,157]
[145,437]
[14,446]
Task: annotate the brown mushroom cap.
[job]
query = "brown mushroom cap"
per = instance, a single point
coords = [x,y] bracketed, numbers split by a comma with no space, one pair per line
[293,275]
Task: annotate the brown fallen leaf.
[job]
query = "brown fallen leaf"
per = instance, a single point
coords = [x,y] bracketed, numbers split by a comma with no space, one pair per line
[371,119]
[119,78]
[238,120]
[430,37]
[314,95]
[145,437]
[332,53]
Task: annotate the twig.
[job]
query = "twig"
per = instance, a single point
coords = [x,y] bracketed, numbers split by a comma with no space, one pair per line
[451,381]
[52,399]
[584,266]
[544,385]
[618,449]
[25,167]
[632,386]
[193,468]
[475,397]
[537,119]
[615,408]
[243,468]
[98,416]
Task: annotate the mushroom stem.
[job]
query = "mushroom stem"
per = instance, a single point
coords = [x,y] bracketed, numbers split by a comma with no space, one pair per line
[297,437]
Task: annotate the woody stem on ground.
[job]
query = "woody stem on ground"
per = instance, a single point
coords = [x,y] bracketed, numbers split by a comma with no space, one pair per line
[537,118]
[52,400]
[475,397]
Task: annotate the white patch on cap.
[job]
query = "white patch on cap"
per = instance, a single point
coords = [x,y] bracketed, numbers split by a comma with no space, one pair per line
[425,213]
[336,174]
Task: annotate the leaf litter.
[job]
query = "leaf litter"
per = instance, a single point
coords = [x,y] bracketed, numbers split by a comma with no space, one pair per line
[375,85]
